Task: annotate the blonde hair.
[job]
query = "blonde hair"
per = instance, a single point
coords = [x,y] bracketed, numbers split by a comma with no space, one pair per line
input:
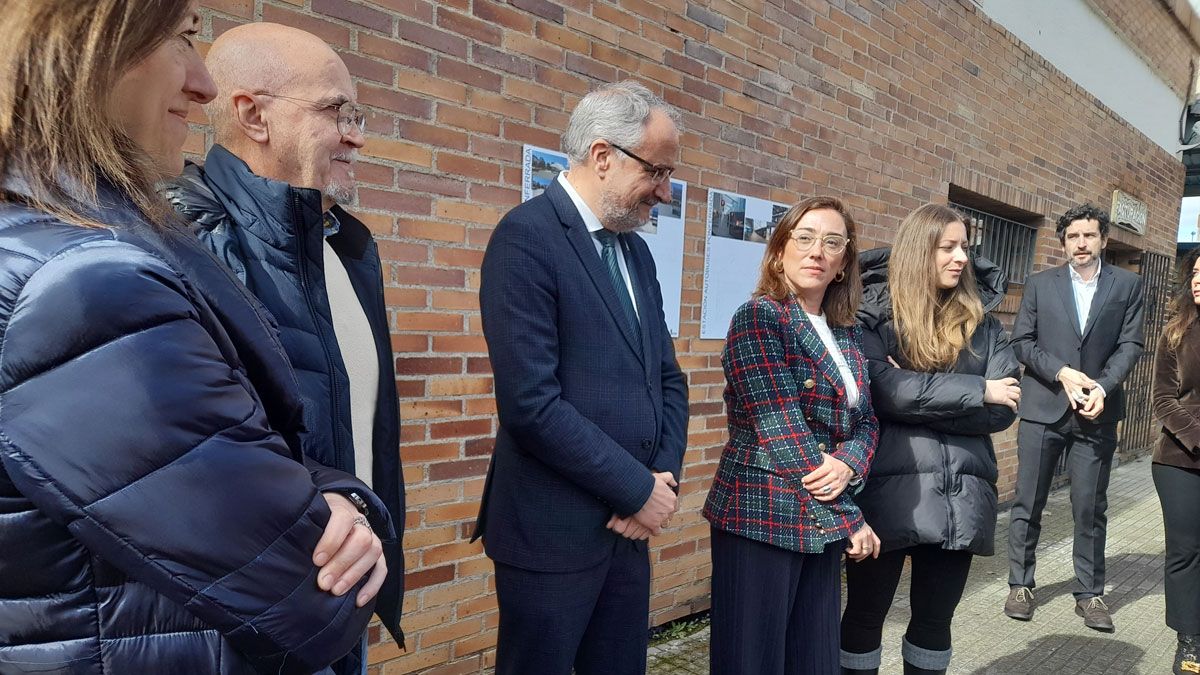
[59,62]
[843,295]
[933,325]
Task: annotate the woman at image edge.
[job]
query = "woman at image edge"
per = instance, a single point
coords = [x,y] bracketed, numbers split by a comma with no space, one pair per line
[943,379]
[1176,463]
[801,431]
[156,513]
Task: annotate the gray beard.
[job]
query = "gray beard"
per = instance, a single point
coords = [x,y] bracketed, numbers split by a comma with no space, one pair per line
[616,217]
[340,194]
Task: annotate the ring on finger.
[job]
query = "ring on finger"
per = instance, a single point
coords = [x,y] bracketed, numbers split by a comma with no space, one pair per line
[360,519]
[827,489]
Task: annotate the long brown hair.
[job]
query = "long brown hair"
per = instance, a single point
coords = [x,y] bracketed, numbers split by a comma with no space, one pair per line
[59,61]
[1183,311]
[932,324]
[841,297]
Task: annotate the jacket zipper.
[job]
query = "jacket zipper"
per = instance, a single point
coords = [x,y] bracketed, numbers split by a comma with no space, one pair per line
[948,481]
[301,264]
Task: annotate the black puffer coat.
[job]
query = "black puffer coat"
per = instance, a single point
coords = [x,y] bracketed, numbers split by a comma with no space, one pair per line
[933,480]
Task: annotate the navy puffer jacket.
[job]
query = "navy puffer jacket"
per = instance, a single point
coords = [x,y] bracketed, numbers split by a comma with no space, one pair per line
[156,512]
[933,480]
[270,234]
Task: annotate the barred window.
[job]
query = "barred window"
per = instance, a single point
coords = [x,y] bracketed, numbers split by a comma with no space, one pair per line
[1008,243]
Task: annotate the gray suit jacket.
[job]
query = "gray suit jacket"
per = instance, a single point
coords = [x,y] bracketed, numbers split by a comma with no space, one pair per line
[1046,337]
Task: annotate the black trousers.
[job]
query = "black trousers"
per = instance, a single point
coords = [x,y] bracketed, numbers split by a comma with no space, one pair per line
[1179,492]
[594,621]
[938,579]
[1089,461]
[774,612]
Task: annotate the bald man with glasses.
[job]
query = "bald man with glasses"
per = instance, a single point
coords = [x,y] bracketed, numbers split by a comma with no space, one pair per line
[269,202]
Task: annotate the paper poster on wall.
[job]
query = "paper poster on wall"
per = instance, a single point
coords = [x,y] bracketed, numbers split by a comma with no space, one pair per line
[737,229]
[663,234]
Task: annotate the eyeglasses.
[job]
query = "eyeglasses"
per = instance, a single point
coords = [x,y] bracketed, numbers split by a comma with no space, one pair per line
[657,173]
[831,243]
[349,115]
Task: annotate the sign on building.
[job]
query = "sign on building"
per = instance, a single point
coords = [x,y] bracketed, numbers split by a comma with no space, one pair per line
[1128,212]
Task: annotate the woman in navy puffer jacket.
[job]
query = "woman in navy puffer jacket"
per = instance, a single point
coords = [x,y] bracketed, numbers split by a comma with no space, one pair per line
[156,513]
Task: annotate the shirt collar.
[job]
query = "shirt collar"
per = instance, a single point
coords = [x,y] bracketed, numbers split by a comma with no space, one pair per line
[589,218]
[1075,278]
[330,223]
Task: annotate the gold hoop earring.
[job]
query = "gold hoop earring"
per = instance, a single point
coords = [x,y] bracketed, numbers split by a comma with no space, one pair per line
[837,278]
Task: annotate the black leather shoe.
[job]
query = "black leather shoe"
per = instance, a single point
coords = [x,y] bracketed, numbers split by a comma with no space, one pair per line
[851,671]
[1095,614]
[1020,603]
[1187,655]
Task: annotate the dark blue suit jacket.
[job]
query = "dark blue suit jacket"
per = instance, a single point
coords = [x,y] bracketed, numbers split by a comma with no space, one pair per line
[585,415]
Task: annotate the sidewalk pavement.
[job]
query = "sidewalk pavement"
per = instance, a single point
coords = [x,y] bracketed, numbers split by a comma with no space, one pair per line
[1055,642]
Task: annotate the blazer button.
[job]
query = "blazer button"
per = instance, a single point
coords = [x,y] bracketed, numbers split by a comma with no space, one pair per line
[821,447]
[809,383]
[646,444]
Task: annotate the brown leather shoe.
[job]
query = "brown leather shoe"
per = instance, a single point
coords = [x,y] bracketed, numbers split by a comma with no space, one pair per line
[1020,603]
[1095,614]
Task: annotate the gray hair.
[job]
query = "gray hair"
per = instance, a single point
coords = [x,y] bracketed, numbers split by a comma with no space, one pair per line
[616,113]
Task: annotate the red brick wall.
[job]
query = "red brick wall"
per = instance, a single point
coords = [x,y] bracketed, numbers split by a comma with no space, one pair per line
[885,104]
[1157,35]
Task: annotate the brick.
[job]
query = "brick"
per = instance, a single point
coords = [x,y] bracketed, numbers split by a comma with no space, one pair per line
[458,165]
[471,27]
[437,40]
[326,30]
[432,86]
[499,15]
[354,13]
[396,101]
[705,16]
[398,151]
[569,40]
[432,134]
[460,469]
[395,52]
[542,8]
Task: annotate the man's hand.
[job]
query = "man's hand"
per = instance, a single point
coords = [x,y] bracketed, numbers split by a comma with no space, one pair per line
[828,481]
[348,549]
[1074,382]
[1006,391]
[660,506]
[1093,405]
[862,544]
[628,527]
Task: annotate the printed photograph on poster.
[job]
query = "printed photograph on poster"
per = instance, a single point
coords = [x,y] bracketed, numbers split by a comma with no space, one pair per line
[539,167]
[664,237]
[663,234]
[737,229]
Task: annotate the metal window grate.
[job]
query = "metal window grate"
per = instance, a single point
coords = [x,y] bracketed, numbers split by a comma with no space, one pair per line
[1008,243]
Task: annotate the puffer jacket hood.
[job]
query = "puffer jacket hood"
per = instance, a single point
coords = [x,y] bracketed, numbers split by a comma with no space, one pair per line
[933,479]
[876,306]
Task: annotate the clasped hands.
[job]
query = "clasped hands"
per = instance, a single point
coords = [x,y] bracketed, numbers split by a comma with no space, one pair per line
[1083,393]
[348,550]
[654,515]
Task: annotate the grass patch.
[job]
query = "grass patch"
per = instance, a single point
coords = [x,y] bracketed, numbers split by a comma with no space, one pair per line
[678,629]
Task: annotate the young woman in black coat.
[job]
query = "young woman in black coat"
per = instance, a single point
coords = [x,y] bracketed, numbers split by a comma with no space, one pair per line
[943,378]
[1176,467]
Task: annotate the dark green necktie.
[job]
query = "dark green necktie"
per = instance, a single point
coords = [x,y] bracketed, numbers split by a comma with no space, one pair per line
[608,239]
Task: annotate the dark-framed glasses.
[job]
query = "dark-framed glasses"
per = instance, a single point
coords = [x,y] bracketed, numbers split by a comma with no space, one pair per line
[349,114]
[657,173]
[833,244]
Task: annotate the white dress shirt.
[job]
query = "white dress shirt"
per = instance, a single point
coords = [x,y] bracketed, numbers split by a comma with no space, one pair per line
[1084,292]
[822,327]
[593,225]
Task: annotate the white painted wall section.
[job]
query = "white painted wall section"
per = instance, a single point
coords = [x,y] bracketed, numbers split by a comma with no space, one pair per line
[1080,43]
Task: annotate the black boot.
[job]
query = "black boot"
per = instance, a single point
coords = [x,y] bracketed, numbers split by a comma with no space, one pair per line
[910,669]
[1187,655]
[851,671]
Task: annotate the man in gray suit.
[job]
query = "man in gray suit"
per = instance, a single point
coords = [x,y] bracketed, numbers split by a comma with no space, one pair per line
[1078,333]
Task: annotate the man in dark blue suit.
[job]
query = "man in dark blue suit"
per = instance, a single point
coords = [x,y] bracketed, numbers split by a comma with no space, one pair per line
[592,403]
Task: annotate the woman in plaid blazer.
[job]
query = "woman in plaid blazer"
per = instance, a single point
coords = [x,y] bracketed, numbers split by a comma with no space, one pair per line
[801,431]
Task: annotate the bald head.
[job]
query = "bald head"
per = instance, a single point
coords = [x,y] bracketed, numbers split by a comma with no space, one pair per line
[262,57]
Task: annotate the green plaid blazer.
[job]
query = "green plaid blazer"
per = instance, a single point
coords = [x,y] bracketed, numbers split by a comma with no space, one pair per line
[787,405]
